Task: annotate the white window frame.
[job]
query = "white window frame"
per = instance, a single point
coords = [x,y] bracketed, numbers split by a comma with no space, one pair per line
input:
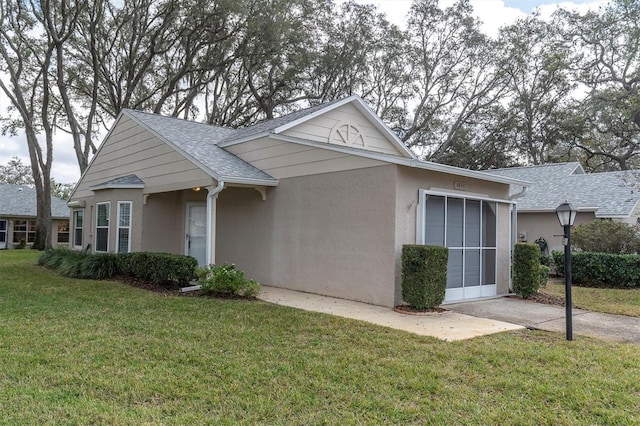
[77,228]
[108,204]
[127,227]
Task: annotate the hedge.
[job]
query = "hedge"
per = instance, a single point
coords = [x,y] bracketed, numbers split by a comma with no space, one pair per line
[162,268]
[424,275]
[590,269]
[526,269]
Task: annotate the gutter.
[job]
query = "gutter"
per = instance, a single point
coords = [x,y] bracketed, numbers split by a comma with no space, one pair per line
[519,194]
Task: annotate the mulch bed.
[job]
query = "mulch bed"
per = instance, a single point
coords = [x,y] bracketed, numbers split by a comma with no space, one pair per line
[547,299]
[409,310]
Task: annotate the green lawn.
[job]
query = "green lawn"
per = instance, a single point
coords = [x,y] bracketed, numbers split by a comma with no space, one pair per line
[91,352]
[608,300]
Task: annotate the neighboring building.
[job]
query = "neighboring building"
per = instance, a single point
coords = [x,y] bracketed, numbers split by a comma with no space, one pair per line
[320,201]
[18,217]
[608,195]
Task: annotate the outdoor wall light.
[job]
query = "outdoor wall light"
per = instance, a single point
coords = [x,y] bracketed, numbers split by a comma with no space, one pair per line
[566,216]
[197,188]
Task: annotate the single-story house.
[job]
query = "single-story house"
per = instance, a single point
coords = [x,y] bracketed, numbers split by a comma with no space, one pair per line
[607,195]
[18,217]
[320,201]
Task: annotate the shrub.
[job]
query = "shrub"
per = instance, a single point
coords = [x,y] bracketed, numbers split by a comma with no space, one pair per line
[52,258]
[98,266]
[606,236]
[424,275]
[226,280]
[161,268]
[526,269]
[71,264]
[544,275]
[602,269]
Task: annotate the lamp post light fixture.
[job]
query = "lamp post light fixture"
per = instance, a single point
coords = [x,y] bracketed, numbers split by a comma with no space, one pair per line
[566,216]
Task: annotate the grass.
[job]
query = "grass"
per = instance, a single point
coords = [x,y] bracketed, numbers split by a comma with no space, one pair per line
[99,352]
[607,300]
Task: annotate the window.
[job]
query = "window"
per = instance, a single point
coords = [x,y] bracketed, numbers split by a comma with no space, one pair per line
[24,230]
[102,226]
[78,224]
[124,227]
[63,231]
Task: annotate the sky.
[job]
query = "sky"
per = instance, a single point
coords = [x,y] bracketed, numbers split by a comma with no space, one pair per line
[492,13]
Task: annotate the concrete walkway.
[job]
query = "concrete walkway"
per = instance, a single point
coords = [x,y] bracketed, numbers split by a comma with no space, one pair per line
[539,316]
[448,325]
[467,319]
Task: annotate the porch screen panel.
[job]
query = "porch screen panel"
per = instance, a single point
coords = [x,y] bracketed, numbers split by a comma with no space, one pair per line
[102,227]
[434,223]
[488,224]
[488,266]
[472,224]
[454,269]
[468,228]
[471,268]
[455,222]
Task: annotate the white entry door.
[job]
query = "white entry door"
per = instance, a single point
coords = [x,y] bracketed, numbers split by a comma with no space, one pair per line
[3,234]
[196,226]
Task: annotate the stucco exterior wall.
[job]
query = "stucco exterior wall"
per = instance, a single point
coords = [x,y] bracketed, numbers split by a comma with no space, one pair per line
[411,180]
[330,234]
[546,225]
[112,196]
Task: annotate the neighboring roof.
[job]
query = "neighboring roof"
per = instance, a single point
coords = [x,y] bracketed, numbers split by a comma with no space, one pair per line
[199,143]
[129,181]
[609,194]
[20,201]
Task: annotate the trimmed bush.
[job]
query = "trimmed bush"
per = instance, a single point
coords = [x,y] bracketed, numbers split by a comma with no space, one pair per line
[162,268]
[174,270]
[526,269]
[601,269]
[606,236]
[424,275]
[226,280]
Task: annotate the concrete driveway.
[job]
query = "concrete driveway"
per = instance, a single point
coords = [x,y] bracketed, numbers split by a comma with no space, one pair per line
[539,316]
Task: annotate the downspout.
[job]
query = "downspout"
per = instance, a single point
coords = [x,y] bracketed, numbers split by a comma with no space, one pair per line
[210,255]
[211,221]
[513,222]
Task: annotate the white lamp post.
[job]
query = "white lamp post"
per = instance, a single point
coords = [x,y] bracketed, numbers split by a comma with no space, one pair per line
[566,216]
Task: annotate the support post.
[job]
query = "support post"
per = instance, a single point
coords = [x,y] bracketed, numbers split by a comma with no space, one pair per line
[567,281]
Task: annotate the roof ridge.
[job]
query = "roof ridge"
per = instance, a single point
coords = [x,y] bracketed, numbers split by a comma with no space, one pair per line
[171,117]
[535,166]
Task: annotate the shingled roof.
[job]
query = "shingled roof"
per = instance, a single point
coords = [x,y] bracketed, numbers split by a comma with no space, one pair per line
[20,201]
[199,143]
[609,194]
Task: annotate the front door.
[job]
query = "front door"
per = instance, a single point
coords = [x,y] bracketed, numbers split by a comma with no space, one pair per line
[3,234]
[196,227]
